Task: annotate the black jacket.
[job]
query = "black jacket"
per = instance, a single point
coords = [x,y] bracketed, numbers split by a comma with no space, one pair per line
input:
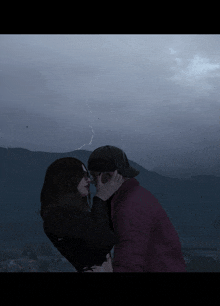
[83,238]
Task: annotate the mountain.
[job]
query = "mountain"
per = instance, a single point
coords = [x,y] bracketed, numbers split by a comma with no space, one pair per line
[191,204]
[188,172]
[203,161]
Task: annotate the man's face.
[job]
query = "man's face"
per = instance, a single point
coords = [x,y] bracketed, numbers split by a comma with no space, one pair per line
[105,176]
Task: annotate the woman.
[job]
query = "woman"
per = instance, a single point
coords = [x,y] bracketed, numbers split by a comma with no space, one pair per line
[82,235]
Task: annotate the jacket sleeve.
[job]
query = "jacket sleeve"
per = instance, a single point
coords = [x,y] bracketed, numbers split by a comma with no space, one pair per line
[132,225]
[92,227]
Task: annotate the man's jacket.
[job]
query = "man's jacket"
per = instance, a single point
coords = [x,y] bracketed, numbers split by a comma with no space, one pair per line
[148,242]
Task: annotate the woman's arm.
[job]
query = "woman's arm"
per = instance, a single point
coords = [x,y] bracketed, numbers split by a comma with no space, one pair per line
[92,227]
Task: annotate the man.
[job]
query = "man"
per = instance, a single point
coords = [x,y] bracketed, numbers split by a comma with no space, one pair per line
[148,242]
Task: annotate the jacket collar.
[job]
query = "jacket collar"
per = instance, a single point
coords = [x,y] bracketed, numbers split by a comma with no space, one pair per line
[132,182]
[125,187]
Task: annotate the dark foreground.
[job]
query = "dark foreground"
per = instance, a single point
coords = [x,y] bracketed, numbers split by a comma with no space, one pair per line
[43,258]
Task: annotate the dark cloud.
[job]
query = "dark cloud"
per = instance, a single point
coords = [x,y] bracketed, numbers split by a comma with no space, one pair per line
[138,92]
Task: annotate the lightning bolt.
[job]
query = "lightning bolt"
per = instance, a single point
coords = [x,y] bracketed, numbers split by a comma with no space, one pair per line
[93,133]
[90,140]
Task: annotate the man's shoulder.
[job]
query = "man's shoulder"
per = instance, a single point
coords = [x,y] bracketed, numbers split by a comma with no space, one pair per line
[140,193]
[139,199]
[137,202]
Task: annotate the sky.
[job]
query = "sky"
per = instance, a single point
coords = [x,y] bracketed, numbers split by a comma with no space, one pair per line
[154,96]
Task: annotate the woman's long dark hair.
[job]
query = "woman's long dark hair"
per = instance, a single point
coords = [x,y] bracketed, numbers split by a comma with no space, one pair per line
[61,180]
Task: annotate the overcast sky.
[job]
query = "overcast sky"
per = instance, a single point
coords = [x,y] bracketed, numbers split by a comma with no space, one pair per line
[154,96]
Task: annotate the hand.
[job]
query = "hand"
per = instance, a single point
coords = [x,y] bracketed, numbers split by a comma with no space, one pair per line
[105,191]
[105,267]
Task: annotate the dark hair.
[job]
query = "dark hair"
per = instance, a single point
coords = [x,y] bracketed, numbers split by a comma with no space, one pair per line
[61,179]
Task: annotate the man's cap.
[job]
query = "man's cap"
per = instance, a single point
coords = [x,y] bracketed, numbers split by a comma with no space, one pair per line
[109,159]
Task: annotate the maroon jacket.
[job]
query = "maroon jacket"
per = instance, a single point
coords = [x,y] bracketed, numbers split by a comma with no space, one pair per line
[148,242]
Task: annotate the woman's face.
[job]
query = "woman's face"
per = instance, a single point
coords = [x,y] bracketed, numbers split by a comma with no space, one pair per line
[84,184]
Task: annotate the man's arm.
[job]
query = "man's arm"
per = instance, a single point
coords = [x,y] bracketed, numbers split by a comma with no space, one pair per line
[132,225]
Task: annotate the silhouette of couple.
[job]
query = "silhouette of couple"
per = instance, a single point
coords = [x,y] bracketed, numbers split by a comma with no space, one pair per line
[123,215]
